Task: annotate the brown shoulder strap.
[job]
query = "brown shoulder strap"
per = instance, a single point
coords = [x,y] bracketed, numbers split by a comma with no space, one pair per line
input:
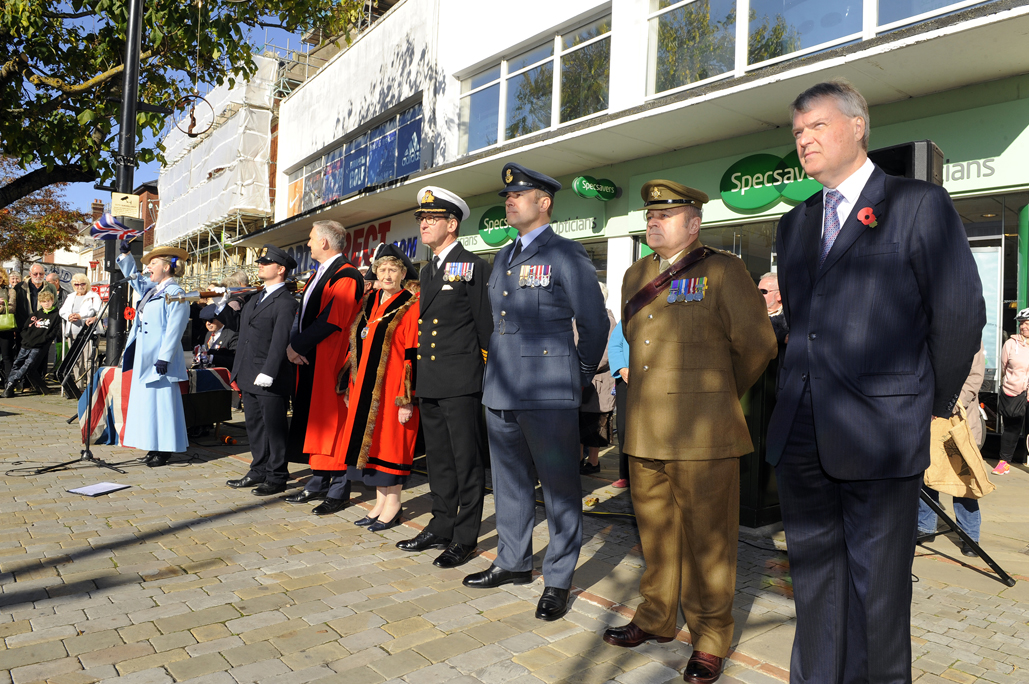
[651,290]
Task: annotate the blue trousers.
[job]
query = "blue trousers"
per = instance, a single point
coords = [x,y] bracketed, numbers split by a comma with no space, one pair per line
[524,445]
[24,365]
[966,511]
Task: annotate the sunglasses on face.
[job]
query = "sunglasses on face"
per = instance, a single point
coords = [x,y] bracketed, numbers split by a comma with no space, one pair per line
[764,291]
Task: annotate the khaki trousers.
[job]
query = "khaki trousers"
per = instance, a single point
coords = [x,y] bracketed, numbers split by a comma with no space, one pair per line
[688,514]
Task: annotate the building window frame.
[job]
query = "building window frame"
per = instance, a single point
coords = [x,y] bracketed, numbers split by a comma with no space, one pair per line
[505,74]
[870,28]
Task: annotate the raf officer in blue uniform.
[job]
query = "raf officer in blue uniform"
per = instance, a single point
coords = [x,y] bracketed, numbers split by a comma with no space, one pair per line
[533,387]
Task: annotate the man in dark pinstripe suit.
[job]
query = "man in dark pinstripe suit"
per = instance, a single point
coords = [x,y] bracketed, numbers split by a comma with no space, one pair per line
[885,311]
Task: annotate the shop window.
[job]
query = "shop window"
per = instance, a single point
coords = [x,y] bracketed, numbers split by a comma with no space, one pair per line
[387,151]
[782,27]
[690,41]
[516,97]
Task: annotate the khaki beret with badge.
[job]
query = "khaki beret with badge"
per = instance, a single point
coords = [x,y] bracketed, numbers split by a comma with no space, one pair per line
[665,193]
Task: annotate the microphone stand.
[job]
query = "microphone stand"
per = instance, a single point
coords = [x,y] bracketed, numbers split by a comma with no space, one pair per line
[86,455]
[938,510]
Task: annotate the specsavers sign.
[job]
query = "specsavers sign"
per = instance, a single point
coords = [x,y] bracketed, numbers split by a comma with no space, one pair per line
[758,182]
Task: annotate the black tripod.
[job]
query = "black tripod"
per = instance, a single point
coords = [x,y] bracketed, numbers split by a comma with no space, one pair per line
[86,455]
[938,510]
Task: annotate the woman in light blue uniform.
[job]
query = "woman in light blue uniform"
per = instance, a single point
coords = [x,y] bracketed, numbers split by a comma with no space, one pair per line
[153,353]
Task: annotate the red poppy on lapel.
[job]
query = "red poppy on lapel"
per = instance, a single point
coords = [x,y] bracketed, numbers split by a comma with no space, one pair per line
[867,217]
[130,313]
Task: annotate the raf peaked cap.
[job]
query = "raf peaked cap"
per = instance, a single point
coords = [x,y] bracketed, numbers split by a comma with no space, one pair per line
[517,178]
[387,250]
[666,193]
[434,200]
[167,253]
[276,255]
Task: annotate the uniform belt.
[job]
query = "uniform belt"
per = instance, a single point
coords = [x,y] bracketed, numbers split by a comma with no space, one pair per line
[509,327]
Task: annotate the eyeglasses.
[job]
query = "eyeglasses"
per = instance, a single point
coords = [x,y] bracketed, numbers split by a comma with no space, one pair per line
[78,284]
[431,220]
[764,291]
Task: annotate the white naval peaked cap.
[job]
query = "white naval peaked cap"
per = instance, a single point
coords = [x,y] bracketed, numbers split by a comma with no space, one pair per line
[432,198]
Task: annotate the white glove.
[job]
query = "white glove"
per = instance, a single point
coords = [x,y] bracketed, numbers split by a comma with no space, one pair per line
[263,380]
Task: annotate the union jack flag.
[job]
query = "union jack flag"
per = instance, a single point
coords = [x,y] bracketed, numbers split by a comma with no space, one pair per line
[109,228]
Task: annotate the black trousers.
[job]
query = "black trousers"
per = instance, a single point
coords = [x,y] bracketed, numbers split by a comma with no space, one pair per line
[301,412]
[1011,436]
[453,431]
[851,545]
[268,429]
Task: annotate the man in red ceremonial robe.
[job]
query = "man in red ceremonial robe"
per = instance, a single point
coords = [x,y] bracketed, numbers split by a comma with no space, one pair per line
[318,345]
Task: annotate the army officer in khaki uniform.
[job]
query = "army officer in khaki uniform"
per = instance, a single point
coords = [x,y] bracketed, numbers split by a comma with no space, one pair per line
[699,337]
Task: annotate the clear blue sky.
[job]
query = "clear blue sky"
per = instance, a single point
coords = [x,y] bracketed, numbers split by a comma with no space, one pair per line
[81,195]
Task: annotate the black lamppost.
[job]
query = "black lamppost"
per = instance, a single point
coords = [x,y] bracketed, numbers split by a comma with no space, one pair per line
[125,166]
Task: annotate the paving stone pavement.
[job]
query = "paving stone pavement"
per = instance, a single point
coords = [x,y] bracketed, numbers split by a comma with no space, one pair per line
[179,578]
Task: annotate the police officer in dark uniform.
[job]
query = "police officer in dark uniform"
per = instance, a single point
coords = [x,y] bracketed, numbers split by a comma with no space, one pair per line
[454,328]
[264,374]
[533,387]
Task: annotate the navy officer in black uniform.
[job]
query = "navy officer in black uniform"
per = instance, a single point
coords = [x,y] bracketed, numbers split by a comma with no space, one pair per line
[264,374]
[533,387]
[454,328]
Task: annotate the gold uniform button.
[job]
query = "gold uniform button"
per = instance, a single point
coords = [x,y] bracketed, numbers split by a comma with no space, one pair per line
[649,316]
[419,332]
[509,272]
[419,321]
[503,313]
[544,352]
[646,341]
[433,345]
[505,293]
[433,333]
[646,368]
[435,321]
[419,357]
[432,358]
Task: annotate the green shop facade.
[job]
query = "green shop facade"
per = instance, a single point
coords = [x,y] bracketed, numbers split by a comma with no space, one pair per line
[982,131]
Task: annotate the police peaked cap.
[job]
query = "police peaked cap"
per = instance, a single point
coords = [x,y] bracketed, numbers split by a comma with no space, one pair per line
[388,250]
[435,200]
[277,255]
[665,193]
[517,178]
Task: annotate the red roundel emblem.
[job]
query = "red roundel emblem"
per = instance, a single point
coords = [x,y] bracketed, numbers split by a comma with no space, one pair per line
[130,313]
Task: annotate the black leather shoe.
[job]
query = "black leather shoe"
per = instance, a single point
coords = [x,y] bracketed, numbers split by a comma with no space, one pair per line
[156,459]
[495,577]
[304,496]
[423,540]
[330,506]
[967,550]
[366,521]
[379,525]
[244,482]
[267,489]
[455,555]
[925,537]
[553,604]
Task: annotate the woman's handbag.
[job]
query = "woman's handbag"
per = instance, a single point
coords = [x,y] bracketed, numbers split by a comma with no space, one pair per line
[957,466]
[1011,407]
[7,318]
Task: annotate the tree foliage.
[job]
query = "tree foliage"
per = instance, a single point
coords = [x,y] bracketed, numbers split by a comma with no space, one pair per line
[37,223]
[61,71]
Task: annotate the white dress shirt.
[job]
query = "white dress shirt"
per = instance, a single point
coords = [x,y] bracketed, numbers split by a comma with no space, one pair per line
[269,289]
[442,256]
[851,190]
[322,268]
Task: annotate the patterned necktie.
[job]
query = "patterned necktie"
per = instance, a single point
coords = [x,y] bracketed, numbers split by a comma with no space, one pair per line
[830,223]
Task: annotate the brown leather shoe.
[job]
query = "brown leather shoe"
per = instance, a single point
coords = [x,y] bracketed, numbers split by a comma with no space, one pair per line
[630,635]
[703,668]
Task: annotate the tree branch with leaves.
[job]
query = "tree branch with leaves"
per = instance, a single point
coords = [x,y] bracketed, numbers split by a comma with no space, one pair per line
[62,65]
